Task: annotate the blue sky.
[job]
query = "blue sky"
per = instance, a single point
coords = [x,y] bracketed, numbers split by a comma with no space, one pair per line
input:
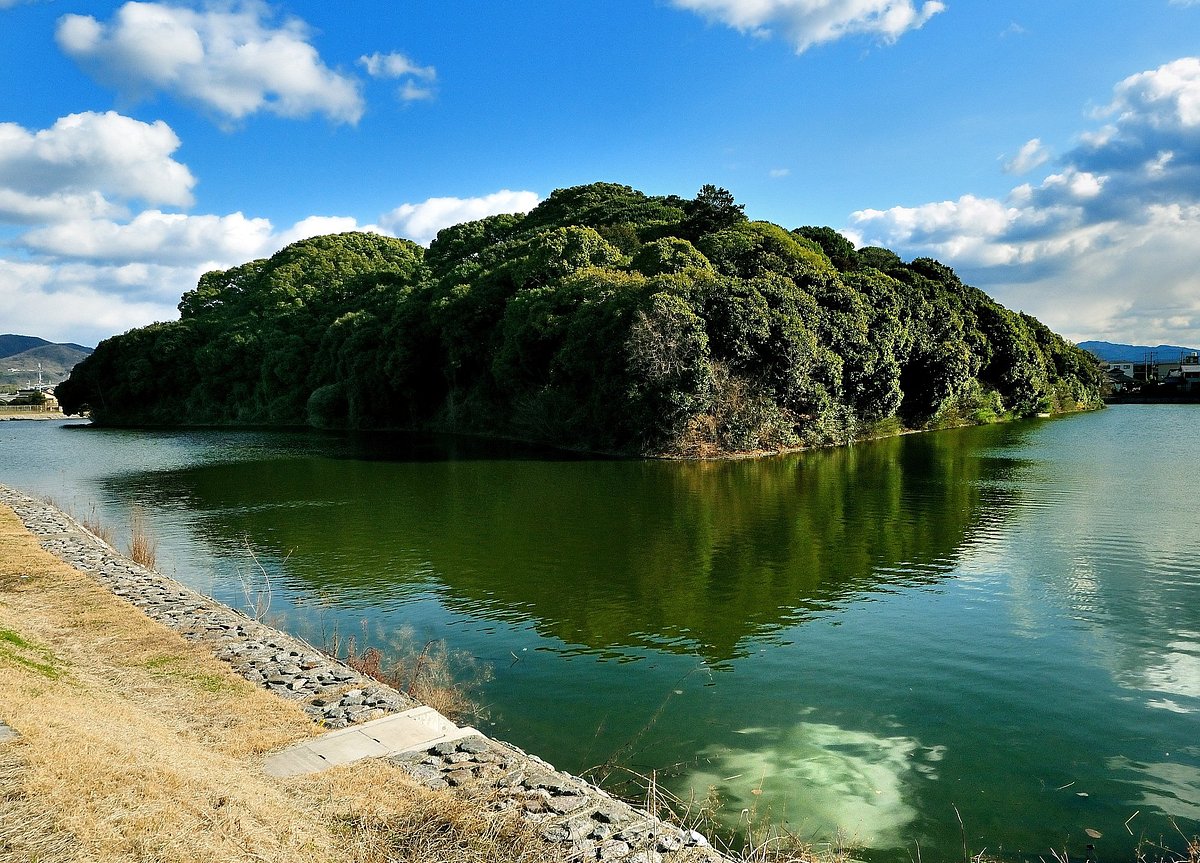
[1050,152]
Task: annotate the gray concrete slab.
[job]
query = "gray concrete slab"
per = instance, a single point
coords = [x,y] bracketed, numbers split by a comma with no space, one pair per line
[6,732]
[295,761]
[346,746]
[421,724]
[418,728]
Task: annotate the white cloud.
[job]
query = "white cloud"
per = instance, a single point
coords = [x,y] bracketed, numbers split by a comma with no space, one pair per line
[421,222]
[814,22]
[91,279]
[84,162]
[417,81]
[22,208]
[229,57]
[1032,155]
[165,238]
[411,91]
[1104,248]
[778,173]
[395,66]
[85,304]
[83,279]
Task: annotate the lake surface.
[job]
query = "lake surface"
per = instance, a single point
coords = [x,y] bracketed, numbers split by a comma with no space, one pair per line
[1000,623]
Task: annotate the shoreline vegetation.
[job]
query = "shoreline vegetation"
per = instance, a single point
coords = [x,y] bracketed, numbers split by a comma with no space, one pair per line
[604,320]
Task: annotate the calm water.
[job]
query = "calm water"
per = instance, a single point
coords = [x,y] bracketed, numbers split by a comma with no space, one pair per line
[1001,621]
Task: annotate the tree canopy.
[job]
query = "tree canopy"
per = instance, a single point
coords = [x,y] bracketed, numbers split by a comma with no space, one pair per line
[604,319]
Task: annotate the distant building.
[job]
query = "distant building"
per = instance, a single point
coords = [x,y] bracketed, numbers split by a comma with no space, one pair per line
[1189,371]
[1154,372]
[1119,381]
[1122,367]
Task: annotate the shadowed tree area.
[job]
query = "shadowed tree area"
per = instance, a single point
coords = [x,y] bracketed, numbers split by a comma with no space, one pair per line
[606,320]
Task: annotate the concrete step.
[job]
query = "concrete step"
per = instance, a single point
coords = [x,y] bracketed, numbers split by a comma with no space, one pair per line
[412,730]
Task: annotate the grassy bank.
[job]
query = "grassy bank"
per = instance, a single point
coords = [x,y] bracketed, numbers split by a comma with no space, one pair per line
[135,745]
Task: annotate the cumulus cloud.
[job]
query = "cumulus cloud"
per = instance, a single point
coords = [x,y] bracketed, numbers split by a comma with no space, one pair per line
[421,222]
[85,278]
[316,226]
[84,303]
[85,163]
[807,23]
[166,238]
[1104,247]
[232,58]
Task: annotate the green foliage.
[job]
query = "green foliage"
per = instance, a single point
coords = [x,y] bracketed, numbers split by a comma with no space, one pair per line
[713,209]
[750,249]
[669,255]
[605,319]
[884,260]
[838,249]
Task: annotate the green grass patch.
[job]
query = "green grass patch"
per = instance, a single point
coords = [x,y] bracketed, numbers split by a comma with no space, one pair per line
[176,668]
[15,649]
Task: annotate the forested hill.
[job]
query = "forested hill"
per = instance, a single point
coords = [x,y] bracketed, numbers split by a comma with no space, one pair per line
[605,319]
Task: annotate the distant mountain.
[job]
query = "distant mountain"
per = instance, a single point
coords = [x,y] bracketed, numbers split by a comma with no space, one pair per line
[11,344]
[1115,353]
[21,356]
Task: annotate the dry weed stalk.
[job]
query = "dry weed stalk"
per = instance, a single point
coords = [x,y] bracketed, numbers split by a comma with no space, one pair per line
[143,548]
[461,829]
[443,679]
[102,531]
[1159,852]
[756,839]
[256,584]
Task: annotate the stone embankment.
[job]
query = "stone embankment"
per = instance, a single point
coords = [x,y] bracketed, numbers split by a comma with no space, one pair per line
[567,811]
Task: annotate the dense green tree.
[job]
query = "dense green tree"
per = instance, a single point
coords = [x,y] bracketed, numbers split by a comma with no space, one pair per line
[713,209]
[838,249]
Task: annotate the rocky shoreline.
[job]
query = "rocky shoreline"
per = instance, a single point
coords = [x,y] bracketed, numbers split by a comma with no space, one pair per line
[566,810]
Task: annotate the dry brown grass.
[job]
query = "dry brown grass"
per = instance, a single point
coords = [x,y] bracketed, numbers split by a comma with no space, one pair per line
[27,830]
[139,746]
[381,821]
[143,548]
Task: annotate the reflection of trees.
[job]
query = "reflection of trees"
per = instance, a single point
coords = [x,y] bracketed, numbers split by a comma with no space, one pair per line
[611,554]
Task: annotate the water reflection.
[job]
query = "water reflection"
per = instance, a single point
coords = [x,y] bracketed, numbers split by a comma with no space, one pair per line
[606,556]
[1168,787]
[852,783]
